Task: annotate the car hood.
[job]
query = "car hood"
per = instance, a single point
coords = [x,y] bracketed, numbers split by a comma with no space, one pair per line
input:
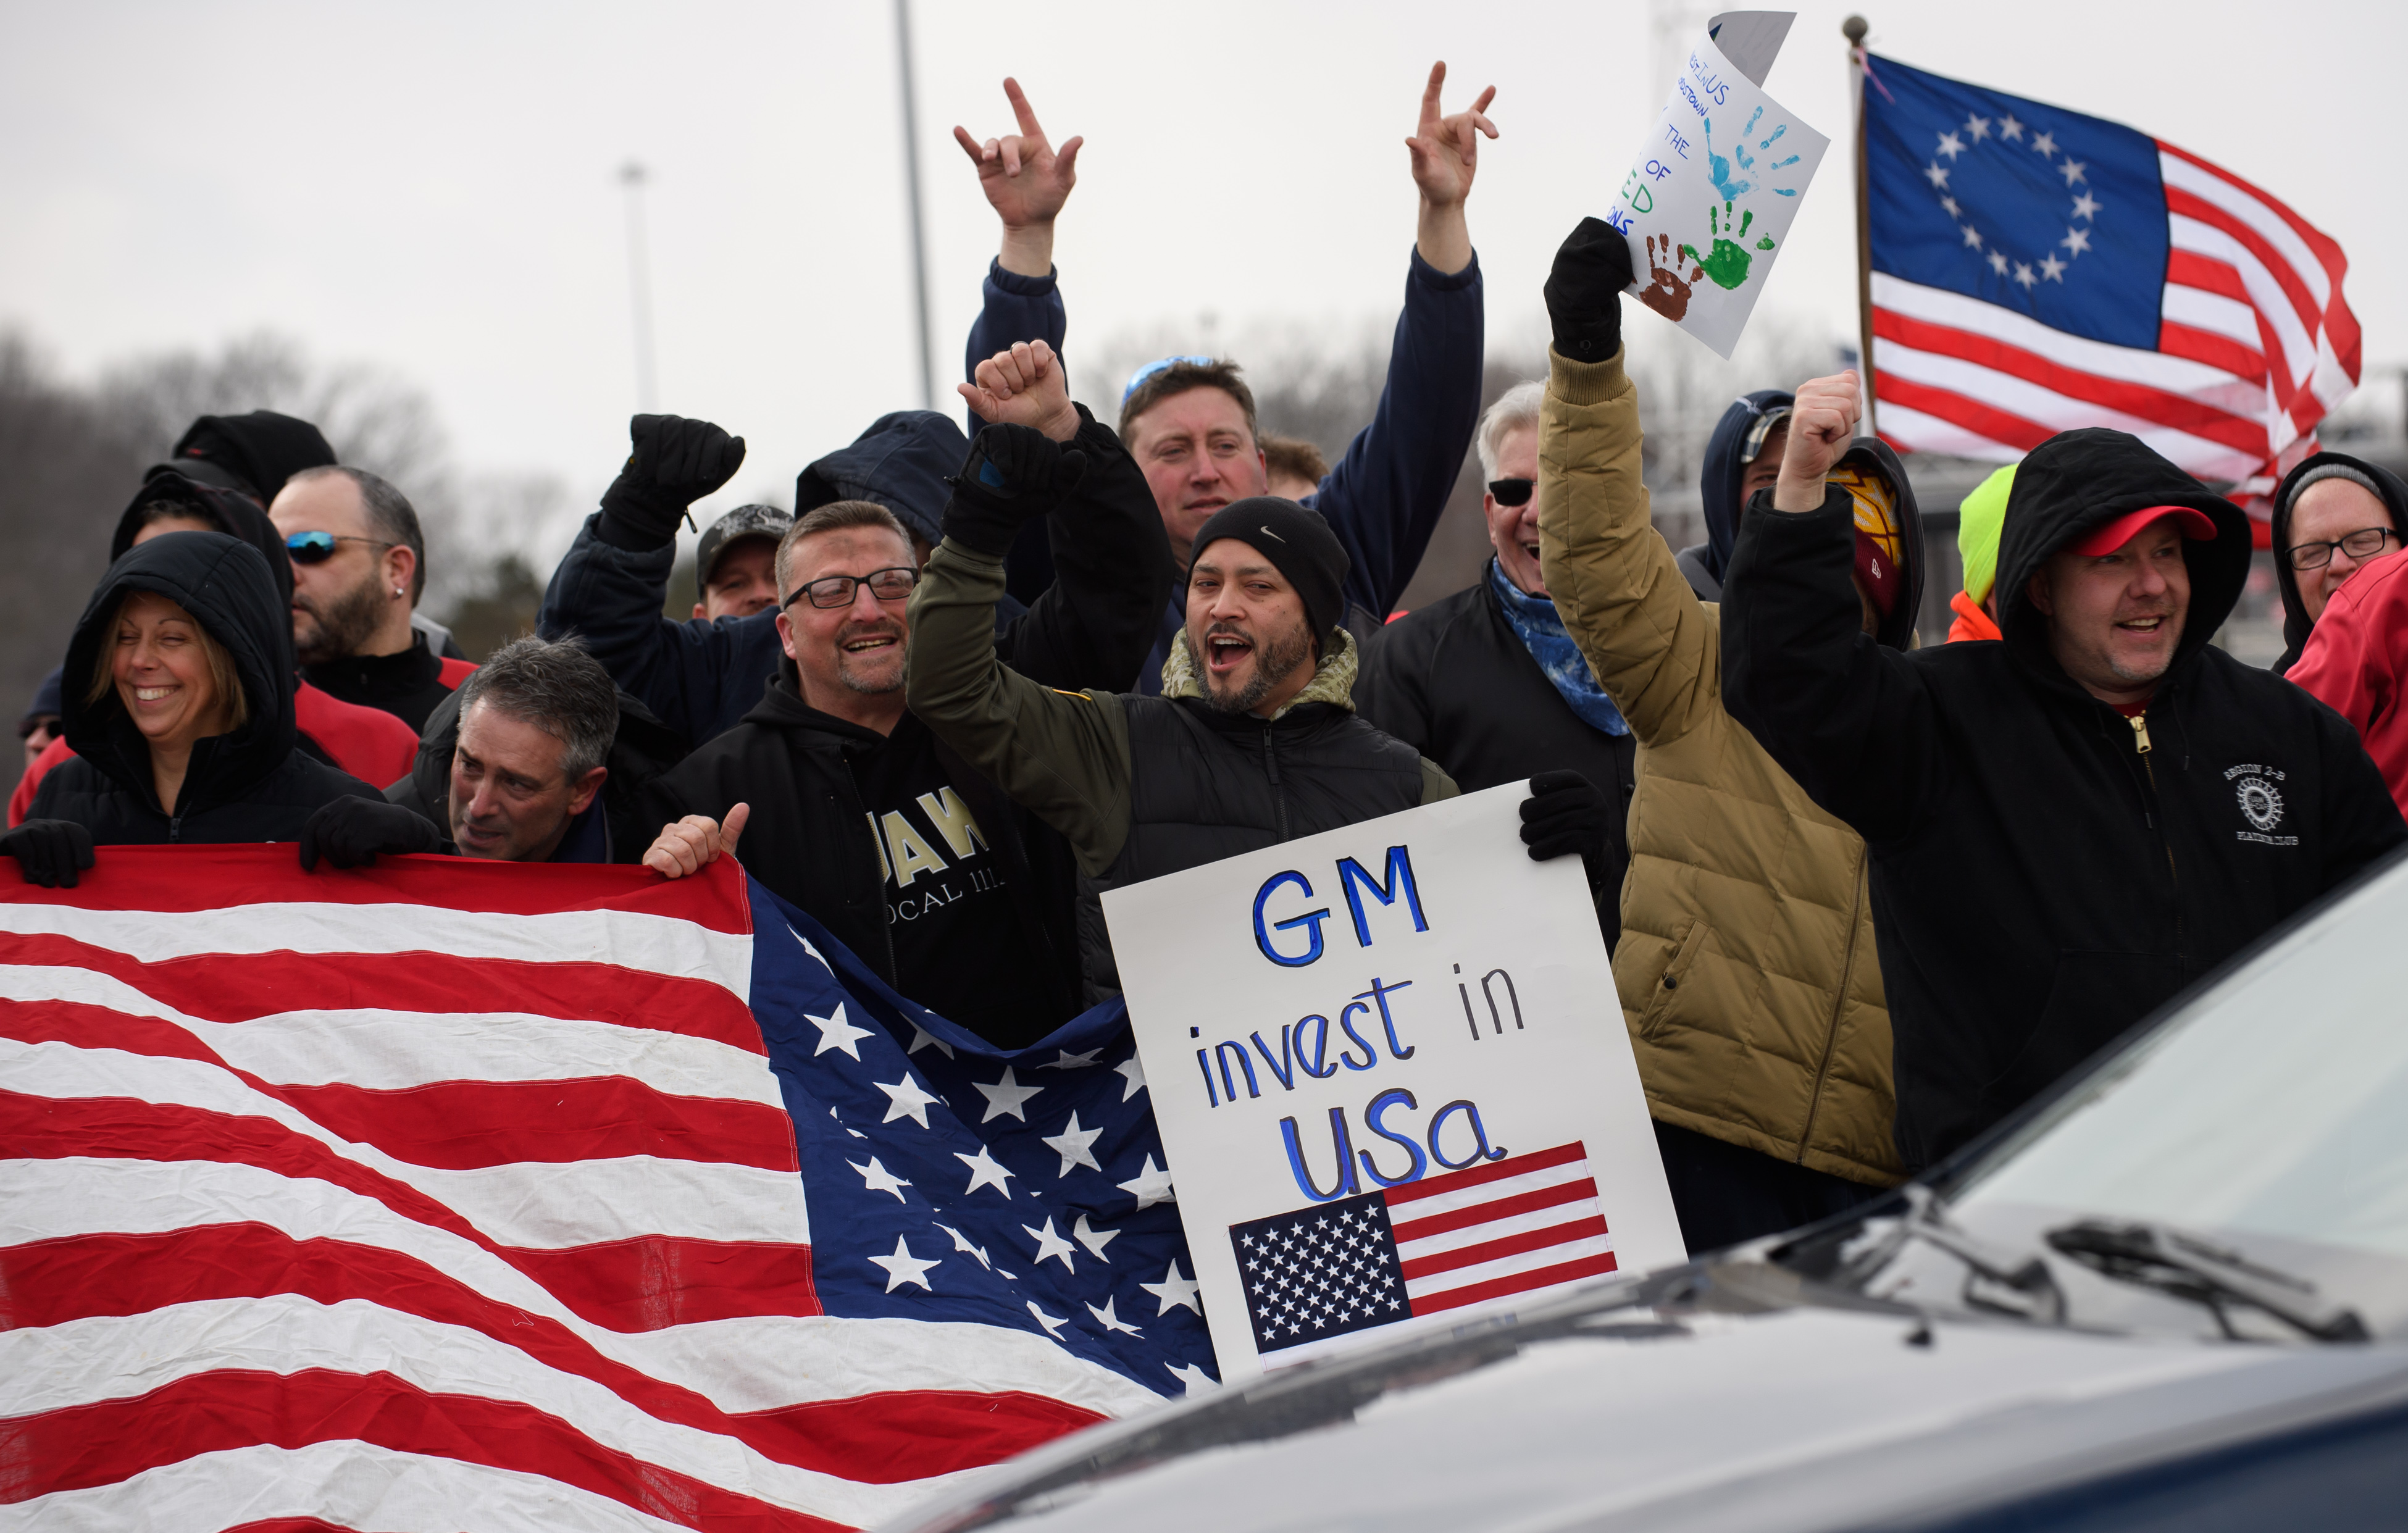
[1717,1396]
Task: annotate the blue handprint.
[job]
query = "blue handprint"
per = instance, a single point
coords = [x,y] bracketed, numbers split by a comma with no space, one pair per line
[1727,184]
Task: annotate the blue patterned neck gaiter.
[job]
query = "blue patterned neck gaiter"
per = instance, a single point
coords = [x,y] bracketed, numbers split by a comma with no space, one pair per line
[1534,618]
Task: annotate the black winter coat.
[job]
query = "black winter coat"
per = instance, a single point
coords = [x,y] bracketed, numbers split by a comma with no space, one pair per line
[250,785]
[1457,684]
[809,839]
[2045,872]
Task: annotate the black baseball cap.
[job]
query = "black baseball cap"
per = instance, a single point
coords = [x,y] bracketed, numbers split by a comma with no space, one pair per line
[742,523]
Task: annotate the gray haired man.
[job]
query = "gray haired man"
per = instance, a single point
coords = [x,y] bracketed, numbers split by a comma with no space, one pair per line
[1487,683]
[536,722]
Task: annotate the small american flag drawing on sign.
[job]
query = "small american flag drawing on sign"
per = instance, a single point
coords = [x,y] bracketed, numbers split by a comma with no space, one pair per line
[1516,1225]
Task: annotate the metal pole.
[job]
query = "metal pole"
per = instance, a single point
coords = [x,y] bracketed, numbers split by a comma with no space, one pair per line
[1853,29]
[639,286]
[912,190]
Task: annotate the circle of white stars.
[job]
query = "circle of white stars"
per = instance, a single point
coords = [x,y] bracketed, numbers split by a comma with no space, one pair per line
[2027,275]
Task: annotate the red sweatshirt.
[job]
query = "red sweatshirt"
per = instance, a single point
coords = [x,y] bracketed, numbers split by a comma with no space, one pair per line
[2354,660]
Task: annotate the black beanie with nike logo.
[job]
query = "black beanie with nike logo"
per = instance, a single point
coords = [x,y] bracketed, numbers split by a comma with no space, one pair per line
[1298,541]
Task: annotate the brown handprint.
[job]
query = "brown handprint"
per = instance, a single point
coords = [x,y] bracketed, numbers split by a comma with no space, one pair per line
[1668,291]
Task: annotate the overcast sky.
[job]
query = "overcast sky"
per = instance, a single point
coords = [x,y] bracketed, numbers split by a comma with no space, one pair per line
[431,187]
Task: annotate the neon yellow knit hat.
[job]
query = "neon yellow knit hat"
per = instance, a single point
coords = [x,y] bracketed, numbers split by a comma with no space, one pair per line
[1978,523]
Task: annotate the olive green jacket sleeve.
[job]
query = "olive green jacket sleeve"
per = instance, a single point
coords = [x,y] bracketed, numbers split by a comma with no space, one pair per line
[1655,646]
[1062,756]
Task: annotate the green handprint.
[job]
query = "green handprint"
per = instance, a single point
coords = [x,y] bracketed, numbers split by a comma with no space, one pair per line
[1726,261]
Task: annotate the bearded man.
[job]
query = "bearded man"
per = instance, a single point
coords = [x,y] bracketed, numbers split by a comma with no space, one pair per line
[359,567]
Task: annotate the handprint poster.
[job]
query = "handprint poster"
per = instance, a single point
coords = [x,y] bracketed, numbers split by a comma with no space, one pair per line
[1709,201]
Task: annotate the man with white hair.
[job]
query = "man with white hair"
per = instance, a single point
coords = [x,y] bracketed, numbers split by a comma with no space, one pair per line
[1487,683]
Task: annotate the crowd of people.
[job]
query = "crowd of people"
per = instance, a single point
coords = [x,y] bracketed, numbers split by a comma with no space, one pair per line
[1867,892]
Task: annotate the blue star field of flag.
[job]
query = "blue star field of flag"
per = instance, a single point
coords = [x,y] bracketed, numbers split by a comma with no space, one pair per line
[1320,1271]
[949,1179]
[2044,211]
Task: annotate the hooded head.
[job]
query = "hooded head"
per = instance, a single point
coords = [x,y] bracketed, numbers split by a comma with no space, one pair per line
[1737,440]
[1889,536]
[1979,518]
[2386,485]
[226,585]
[899,463]
[2073,486]
[262,448]
[229,511]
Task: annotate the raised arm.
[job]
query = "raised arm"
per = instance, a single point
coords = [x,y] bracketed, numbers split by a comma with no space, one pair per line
[1064,756]
[1383,498]
[1843,715]
[1026,181]
[1653,646]
[610,587]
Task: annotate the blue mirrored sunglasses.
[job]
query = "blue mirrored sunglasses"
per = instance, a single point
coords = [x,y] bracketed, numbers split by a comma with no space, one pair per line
[316,548]
[1150,369]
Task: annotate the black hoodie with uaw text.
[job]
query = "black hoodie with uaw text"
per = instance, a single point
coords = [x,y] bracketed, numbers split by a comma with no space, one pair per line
[2045,871]
[251,785]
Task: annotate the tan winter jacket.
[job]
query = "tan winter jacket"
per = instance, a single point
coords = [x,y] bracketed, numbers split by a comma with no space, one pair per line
[1746,965]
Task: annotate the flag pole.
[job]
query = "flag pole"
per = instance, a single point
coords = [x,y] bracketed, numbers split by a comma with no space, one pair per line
[1853,29]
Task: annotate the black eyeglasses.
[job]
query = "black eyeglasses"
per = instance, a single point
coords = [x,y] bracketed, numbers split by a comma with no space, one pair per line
[316,548]
[837,590]
[1512,492]
[2365,543]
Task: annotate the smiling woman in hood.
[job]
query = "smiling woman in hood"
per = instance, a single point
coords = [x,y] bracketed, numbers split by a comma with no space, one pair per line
[178,704]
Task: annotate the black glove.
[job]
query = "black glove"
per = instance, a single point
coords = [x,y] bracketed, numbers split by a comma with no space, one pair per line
[50,852]
[350,832]
[1584,291]
[676,462]
[1012,474]
[1566,813]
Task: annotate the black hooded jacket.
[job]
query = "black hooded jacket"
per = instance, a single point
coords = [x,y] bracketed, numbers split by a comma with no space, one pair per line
[250,785]
[262,448]
[2296,624]
[2045,871]
[815,839]
[1719,478]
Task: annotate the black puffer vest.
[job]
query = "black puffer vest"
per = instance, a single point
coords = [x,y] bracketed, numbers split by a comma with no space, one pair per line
[1205,785]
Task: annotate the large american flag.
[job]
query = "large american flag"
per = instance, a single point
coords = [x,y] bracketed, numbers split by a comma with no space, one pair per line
[443,1195]
[2036,269]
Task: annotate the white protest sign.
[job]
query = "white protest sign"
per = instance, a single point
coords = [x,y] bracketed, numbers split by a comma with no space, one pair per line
[1392,1079]
[1711,193]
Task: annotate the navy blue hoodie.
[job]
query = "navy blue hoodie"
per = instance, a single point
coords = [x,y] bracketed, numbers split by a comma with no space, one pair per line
[1719,478]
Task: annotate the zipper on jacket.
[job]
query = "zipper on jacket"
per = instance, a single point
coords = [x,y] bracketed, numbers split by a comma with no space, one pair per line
[1839,1003]
[2140,748]
[1279,798]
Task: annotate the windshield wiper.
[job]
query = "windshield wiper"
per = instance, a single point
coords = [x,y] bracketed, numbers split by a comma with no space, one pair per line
[2023,1274]
[2186,1268]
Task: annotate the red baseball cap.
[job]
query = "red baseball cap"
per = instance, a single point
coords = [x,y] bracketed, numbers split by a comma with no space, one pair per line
[2193,524]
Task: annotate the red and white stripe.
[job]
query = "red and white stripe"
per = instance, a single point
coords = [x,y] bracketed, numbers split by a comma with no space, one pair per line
[1516,1225]
[427,1197]
[2256,345]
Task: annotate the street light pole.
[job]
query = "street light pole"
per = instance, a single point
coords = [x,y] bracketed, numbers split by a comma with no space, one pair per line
[911,191]
[639,284]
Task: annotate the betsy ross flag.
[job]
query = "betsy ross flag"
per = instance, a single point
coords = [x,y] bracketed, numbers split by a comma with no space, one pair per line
[2037,270]
[451,1194]
[1522,1224]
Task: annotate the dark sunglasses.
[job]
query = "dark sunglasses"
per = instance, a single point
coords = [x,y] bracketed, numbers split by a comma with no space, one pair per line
[837,590]
[1512,492]
[316,548]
